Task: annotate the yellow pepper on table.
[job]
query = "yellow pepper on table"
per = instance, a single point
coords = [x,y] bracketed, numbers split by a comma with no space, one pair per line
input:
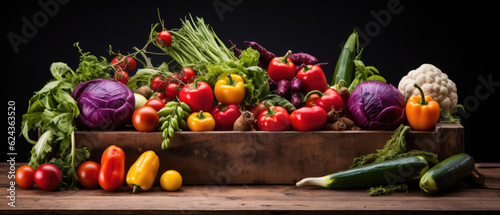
[201,121]
[143,172]
[422,111]
[230,89]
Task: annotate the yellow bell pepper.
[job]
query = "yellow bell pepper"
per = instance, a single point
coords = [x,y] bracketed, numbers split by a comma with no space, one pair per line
[201,121]
[230,90]
[143,172]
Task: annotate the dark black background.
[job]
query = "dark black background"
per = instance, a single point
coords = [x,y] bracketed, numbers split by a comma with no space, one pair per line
[455,37]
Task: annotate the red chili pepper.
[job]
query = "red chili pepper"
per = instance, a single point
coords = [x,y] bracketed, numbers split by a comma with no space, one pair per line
[328,100]
[112,170]
[275,119]
[313,78]
[281,68]
[308,118]
[225,116]
[198,96]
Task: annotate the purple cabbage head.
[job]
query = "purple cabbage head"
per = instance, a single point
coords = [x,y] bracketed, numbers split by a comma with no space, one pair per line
[376,105]
[104,104]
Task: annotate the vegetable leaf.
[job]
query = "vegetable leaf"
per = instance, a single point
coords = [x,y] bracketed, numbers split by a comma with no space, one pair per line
[276,100]
[386,190]
[40,150]
[59,69]
[142,77]
[52,110]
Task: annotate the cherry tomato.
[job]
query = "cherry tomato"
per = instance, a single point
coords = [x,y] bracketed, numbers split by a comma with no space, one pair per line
[24,176]
[88,174]
[164,38]
[174,78]
[158,84]
[48,176]
[171,180]
[172,90]
[145,119]
[160,95]
[313,98]
[122,76]
[188,75]
[157,104]
[128,64]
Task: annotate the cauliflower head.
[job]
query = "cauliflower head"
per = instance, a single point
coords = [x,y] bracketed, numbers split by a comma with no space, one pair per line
[434,83]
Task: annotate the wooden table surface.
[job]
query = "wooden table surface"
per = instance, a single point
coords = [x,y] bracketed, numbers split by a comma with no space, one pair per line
[254,199]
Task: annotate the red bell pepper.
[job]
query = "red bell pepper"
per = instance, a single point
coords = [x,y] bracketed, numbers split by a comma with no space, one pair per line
[225,116]
[308,118]
[112,170]
[275,119]
[313,78]
[281,68]
[198,96]
[328,100]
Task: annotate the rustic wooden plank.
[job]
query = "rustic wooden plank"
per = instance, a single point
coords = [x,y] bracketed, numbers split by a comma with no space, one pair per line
[227,157]
[250,199]
[254,199]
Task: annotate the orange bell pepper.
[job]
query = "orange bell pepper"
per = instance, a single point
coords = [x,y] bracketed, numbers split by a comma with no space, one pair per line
[201,121]
[422,111]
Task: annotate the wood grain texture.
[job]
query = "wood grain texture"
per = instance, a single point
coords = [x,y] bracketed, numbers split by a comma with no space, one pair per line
[256,199]
[227,157]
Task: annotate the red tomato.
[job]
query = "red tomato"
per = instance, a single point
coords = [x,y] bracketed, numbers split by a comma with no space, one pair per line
[145,119]
[257,110]
[164,38]
[24,176]
[174,78]
[122,76]
[158,84]
[188,75]
[88,174]
[48,176]
[128,64]
[160,95]
[157,104]
[172,90]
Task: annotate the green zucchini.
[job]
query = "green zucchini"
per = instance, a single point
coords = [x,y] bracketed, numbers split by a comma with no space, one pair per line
[447,173]
[388,172]
[345,65]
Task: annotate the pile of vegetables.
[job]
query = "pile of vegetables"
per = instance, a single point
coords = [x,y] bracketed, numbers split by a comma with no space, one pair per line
[209,86]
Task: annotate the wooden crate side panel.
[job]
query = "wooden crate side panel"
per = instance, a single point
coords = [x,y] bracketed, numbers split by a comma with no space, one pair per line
[260,157]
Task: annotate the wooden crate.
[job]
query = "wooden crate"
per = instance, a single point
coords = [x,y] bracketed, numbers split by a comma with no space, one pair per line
[228,157]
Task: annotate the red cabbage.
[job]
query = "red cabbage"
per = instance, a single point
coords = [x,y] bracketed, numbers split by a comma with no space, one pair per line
[104,104]
[377,105]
